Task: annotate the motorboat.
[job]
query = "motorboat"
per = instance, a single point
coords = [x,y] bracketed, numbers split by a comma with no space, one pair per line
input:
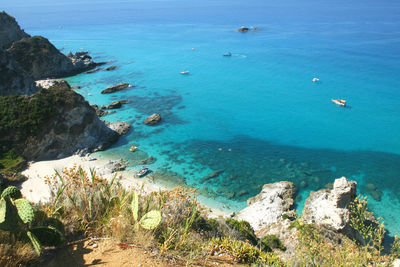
[340,102]
[185,72]
[315,80]
[144,171]
[133,148]
[228,54]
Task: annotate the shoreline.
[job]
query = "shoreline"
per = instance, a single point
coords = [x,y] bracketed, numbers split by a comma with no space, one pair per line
[36,190]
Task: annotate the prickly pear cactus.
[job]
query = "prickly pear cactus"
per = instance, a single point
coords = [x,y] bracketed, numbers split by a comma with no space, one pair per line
[11,192]
[25,210]
[48,235]
[35,242]
[3,210]
[151,220]
[135,205]
[53,222]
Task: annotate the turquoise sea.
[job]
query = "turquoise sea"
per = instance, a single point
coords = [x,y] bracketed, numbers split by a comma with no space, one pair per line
[256,116]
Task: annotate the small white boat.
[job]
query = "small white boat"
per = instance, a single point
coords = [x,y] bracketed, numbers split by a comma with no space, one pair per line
[340,102]
[185,72]
[228,54]
[315,80]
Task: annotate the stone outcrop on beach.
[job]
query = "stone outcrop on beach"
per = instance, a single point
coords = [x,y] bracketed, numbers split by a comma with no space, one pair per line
[330,208]
[153,119]
[9,30]
[121,127]
[269,205]
[52,123]
[115,88]
[13,79]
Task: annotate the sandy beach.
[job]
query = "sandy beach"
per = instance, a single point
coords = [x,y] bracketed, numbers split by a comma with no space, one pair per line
[36,190]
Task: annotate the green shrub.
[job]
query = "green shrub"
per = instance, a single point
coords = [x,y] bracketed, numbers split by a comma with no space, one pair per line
[270,242]
[243,252]
[244,229]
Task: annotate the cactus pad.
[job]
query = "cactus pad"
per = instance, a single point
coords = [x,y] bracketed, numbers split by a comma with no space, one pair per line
[135,205]
[151,220]
[35,242]
[12,192]
[3,210]
[48,235]
[53,222]
[25,210]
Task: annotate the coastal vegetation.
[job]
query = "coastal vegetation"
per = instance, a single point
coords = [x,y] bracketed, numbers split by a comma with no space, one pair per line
[172,223]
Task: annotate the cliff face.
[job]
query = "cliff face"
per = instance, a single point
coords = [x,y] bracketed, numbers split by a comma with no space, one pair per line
[39,58]
[13,79]
[10,30]
[52,123]
[24,58]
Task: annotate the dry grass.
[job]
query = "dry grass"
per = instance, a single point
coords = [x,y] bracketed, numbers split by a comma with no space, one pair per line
[16,254]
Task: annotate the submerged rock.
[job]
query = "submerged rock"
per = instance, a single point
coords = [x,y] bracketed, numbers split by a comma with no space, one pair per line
[212,175]
[115,88]
[116,166]
[269,205]
[153,119]
[331,208]
[110,68]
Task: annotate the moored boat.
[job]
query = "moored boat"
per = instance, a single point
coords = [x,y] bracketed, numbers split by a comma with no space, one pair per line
[133,148]
[340,102]
[144,171]
[185,72]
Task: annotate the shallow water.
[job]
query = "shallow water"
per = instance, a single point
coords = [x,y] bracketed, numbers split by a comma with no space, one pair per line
[256,117]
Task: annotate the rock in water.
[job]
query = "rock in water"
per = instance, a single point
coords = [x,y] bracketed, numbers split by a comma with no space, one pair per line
[110,68]
[268,207]
[330,208]
[115,88]
[113,105]
[153,119]
[212,175]
[9,30]
[120,127]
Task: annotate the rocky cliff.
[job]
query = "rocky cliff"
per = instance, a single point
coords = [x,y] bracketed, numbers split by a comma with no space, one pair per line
[13,79]
[24,58]
[52,123]
[41,59]
[10,30]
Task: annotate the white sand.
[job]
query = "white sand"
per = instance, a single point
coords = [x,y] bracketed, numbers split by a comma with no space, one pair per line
[36,190]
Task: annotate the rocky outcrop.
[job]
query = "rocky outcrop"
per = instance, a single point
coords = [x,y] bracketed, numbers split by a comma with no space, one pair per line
[268,207]
[153,119]
[41,59]
[52,123]
[9,30]
[13,79]
[115,88]
[115,104]
[329,208]
[82,61]
[100,112]
[121,127]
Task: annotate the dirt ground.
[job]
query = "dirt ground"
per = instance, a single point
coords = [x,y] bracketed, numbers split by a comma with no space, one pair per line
[110,253]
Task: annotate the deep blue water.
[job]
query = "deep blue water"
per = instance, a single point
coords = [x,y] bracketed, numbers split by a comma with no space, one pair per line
[257,116]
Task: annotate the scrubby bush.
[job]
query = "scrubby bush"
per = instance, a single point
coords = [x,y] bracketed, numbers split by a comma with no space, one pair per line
[270,242]
[317,248]
[243,252]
